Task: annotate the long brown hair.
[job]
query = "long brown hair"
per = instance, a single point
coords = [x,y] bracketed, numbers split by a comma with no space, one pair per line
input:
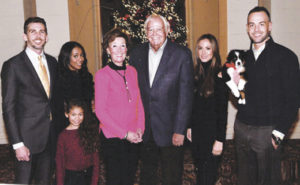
[205,81]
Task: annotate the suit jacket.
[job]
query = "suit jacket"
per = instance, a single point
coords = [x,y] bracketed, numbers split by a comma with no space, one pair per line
[168,103]
[26,108]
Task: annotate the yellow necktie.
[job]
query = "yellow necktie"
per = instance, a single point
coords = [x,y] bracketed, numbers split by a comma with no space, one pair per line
[42,72]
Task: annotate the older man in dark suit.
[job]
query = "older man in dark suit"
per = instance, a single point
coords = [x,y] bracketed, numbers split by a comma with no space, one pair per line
[27,92]
[165,74]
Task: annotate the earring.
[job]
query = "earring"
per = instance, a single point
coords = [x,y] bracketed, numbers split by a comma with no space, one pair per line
[108,58]
[127,60]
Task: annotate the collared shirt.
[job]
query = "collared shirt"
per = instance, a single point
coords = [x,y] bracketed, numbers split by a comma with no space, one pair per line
[258,51]
[33,56]
[154,60]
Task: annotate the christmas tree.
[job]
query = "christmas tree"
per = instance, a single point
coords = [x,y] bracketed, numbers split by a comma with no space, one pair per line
[131,19]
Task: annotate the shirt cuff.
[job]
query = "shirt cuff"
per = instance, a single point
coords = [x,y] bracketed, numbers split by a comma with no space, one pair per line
[278,134]
[18,145]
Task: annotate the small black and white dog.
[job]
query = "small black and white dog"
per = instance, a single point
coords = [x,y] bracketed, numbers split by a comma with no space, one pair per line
[233,73]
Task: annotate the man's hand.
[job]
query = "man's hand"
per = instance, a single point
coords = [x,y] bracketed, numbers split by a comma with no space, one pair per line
[189,134]
[177,139]
[22,153]
[217,148]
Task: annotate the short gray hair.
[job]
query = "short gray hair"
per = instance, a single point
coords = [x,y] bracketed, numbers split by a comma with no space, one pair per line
[166,23]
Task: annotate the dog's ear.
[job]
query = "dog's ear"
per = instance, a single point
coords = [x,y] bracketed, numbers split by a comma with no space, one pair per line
[231,55]
[243,54]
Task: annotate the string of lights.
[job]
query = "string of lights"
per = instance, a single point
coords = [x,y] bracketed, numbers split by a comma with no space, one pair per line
[132,21]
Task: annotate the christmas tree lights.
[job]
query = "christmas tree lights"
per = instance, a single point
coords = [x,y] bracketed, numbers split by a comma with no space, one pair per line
[132,19]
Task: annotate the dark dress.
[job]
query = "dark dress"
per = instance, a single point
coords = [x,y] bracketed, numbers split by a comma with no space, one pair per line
[209,121]
[73,85]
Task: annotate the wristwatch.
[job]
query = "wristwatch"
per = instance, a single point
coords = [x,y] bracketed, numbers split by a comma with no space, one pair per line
[277,140]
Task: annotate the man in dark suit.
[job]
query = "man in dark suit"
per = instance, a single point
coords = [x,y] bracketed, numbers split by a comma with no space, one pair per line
[165,75]
[27,101]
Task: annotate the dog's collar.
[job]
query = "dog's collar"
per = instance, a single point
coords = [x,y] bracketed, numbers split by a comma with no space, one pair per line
[228,65]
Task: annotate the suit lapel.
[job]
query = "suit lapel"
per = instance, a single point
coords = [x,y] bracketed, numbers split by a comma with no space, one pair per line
[145,64]
[51,69]
[162,67]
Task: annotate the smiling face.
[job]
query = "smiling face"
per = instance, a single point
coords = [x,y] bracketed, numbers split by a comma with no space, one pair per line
[205,51]
[36,37]
[76,59]
[156,32]
[117,50]
[75,116]
[259,28]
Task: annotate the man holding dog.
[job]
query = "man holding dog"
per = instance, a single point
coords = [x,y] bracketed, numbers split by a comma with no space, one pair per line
[271,103]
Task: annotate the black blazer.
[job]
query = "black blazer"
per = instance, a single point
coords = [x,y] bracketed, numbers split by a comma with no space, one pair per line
[168,103]
[26,107]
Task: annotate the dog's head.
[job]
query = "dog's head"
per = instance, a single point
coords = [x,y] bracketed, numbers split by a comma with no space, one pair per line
[238,58]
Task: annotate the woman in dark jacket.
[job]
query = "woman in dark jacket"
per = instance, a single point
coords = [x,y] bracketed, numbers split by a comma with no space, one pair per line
[74,79]
[209,118]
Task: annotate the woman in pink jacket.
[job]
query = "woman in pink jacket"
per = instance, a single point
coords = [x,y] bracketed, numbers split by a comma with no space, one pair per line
[119,108]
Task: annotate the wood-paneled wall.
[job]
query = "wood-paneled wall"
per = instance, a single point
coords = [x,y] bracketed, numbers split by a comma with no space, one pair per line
[85,28]
[203,16]
[29,8]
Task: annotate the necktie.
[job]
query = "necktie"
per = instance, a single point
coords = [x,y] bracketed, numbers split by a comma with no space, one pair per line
[42,72]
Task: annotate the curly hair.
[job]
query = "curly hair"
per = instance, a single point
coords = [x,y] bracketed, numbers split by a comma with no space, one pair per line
[88,129]
[207,79]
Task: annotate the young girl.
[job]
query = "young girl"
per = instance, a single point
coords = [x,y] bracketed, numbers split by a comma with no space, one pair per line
[77,160]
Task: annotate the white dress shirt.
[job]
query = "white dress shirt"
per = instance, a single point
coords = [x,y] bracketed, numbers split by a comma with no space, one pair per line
[154,60]
[33,56]
[258,51]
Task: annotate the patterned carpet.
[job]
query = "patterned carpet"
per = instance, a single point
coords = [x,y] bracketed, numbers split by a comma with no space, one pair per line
[227,171]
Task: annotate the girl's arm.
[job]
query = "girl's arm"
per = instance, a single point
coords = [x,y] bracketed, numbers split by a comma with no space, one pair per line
[60,167]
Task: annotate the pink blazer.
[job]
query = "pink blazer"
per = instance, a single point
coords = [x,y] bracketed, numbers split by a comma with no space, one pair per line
[116,113]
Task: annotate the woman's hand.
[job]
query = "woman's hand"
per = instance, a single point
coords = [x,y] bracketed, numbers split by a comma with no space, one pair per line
[217,148]
[139,133]
[189,134]
[133,137]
